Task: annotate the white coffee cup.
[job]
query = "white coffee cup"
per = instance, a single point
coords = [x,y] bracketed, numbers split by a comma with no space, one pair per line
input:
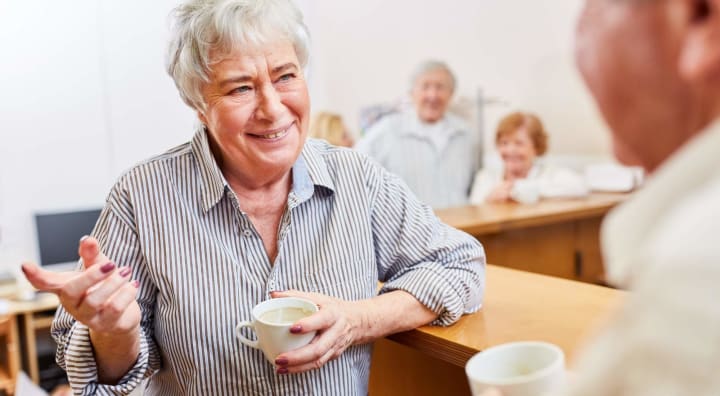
[271,321]
[525,368]
[525,191]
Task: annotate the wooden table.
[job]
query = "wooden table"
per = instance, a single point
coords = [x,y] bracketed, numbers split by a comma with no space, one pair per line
[518,306]
[552,237]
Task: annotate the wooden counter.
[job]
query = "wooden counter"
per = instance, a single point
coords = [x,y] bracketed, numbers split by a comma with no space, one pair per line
[518,306]
[552,237]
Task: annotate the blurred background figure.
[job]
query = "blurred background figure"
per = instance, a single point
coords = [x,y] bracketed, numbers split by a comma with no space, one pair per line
[330,127]
[431,150]
[521,140]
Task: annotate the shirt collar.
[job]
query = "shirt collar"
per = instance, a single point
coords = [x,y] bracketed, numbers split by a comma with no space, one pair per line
[629,226]
[309,170]
[416,128]
[214,182]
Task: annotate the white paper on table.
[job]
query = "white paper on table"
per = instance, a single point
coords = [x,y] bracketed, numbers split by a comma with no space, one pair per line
[25,387]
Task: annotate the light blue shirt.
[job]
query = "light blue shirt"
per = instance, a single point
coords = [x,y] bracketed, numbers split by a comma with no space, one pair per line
[438,169]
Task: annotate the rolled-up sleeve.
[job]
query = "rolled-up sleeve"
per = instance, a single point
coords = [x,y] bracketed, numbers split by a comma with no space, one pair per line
[75,354]
[441,266]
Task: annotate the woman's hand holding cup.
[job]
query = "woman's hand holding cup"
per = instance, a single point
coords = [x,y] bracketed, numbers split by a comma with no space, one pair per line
[336,323]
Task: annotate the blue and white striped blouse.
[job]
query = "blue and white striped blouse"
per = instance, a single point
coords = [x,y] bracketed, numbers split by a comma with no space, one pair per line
[202,267]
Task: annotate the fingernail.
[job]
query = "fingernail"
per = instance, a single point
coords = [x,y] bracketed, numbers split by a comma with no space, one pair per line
[107,267]
[24,270]
[136,283]
[281,362]
[84,237]
[282,370]
[125,271]
[296,329]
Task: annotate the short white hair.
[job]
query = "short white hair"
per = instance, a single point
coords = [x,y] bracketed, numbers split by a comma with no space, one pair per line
[428,66]
[222,26]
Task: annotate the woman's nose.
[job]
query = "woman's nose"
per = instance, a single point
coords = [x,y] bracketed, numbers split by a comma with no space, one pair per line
[270,106]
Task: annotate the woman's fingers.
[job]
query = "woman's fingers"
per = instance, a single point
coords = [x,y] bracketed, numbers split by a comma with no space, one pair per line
[318,321]
[46,280]
[313,355]
[76,289]
[89,252]
[96,297]
[115,310]
[311,364]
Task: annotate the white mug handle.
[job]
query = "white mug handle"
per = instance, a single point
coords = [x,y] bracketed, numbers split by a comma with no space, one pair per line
[246,341]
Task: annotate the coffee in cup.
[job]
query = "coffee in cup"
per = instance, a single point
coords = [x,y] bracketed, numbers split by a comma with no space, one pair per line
[271,321]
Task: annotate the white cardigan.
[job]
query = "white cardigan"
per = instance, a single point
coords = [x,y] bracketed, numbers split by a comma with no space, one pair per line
[552,182]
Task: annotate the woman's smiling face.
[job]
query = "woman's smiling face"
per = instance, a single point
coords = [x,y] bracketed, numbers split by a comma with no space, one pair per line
[257,111]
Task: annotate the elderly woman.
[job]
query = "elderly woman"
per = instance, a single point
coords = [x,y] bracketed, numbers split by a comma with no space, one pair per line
[444,153]
[191,240]
[330,127]
[520,140]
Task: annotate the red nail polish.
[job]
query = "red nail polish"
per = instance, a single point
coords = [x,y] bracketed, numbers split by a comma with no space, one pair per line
[136,283]
[296,329]
[281,362]
[282,370]
[107,267]
[125,271]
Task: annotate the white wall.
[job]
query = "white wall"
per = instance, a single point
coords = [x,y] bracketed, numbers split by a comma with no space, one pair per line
[84,95]
[518,50]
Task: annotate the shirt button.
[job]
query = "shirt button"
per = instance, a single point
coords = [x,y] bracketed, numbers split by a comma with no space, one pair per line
[247,233]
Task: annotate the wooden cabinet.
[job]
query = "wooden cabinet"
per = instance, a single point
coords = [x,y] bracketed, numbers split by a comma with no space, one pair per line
[9,354]
[555,237]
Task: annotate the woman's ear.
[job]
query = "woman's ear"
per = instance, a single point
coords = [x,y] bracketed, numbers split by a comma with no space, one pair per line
[202,117]
[700,51]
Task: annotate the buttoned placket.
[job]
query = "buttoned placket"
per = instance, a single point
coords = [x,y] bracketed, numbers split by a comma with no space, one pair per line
[273,283]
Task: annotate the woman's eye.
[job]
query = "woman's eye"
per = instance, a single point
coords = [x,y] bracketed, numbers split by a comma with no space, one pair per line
[241,89]
[286,77]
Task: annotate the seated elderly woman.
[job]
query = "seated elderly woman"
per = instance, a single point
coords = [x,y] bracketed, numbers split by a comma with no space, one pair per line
[191,240]
[432,150]
[520,140]
[330,127]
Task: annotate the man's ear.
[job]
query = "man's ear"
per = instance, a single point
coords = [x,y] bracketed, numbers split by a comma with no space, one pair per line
[700,51]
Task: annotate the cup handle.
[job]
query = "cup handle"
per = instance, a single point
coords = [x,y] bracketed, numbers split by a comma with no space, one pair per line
[246,341]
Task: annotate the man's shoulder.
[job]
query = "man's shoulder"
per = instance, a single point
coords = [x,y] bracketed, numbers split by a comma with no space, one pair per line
[691,226]
[388,125]
[457,122]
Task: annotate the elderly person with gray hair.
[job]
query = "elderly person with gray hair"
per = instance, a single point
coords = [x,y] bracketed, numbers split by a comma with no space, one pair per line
[191,240]
[433,151]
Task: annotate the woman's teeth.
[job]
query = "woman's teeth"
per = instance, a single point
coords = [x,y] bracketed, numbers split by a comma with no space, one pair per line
[274,135]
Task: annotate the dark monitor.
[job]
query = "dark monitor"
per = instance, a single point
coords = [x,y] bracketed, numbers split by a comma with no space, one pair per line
[58,235]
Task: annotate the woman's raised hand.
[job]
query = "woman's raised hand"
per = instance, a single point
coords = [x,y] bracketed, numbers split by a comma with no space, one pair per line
[100,296]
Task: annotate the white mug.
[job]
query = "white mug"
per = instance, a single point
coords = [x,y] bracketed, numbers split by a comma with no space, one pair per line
[271,321]
[525,191]
[525,368]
